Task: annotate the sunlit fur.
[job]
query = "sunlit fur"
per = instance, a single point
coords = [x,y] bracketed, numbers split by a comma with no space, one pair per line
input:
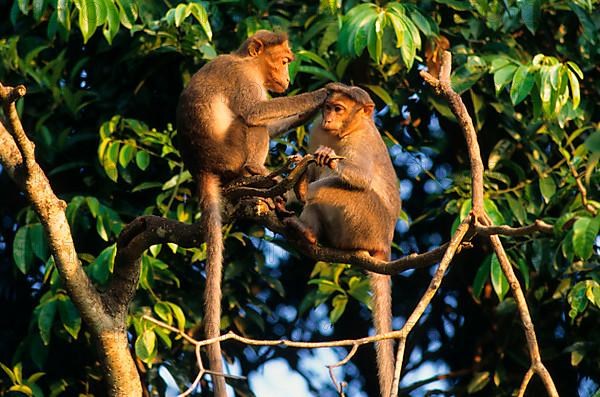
[354,205]
[224,119]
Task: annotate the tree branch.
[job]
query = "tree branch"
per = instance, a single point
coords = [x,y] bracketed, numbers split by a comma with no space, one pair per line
[18,159]
[459,109]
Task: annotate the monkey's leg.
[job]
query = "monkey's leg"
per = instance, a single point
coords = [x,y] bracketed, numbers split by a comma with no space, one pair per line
[301,229]
[257,149]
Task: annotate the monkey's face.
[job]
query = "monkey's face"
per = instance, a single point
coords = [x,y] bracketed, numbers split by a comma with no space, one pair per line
[276,61]
[338,112]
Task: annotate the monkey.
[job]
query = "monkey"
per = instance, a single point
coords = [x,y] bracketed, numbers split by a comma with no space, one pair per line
[352,198]
[224,121]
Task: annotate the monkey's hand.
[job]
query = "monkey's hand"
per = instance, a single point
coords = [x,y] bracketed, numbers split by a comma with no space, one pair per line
[294,159]
[326,157]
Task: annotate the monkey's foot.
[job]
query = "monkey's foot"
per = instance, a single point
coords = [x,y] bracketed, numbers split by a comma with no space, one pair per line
[280,209]
[299,228]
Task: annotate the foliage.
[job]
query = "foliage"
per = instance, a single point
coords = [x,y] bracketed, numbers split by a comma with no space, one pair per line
[103,79]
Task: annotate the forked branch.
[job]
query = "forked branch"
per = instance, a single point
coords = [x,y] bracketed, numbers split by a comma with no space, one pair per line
[444,88]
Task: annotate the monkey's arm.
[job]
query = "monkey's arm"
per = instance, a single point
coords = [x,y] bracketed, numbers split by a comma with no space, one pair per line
[279,127]
[357,174]
[273,110]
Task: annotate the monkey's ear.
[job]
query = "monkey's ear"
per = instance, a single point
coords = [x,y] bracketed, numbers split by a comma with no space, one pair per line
[368,109]
[255,47]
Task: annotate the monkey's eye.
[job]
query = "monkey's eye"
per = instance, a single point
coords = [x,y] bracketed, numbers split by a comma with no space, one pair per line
[338,109]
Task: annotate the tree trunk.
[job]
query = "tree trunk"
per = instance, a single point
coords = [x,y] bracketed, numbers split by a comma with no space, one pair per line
[122,377]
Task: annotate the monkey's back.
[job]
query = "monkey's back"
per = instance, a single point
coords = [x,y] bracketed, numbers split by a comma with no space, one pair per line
[204,119]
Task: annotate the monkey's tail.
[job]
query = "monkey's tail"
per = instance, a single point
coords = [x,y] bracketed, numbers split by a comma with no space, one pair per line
[382,319]
[210,204]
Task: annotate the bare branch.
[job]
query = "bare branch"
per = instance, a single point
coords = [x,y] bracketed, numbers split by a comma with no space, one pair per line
[483,223]
[504,230]
[434,285]
[8,96]
[525,382]
[532,344]
[443,87]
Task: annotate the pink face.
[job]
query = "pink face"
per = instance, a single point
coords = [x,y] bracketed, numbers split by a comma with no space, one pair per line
[336,111]
[340,113]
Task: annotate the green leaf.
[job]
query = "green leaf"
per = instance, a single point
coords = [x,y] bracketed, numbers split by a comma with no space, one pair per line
[63,13]
[360,289]
[521,84]
[199,12]
[531,11]
[547,187]
[128,12]
[87,18]
[126,154]
[21,389]
[503,76]
[479,381]
[142,159]
[181,13]
[585,231]
[110,160]
[111,27]
[145,346]
[499,281]
[339,305]
[179,316]
[517,208]
[374,39]
[493,212]
[101,13]
[46,319]
[37,241]
[22,254]
[164,312]
[318,72]
[574,84]
[480,279]
[38,9]
[23,6]
[593,142]
[385,97]
[8,372]
[524,269]
[104,263]
[575,69]
[69,316]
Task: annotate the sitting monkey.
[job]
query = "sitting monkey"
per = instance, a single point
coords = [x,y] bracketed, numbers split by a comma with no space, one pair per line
[353,203]
[224,121]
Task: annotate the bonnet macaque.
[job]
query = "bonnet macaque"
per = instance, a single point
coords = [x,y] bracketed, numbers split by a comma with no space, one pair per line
[224,119]
[352,198]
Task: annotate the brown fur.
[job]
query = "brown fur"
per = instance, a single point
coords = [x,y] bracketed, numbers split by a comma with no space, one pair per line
[224,121]
[355,205]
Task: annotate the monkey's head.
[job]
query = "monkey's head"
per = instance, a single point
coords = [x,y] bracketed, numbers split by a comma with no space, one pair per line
[272,54]
[345,107]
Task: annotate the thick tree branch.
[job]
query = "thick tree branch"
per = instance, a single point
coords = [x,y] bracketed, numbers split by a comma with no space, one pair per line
[18,159]
[136,237]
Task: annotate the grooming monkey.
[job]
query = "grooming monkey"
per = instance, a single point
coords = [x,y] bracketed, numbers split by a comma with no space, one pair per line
[353,203]
[224,121]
